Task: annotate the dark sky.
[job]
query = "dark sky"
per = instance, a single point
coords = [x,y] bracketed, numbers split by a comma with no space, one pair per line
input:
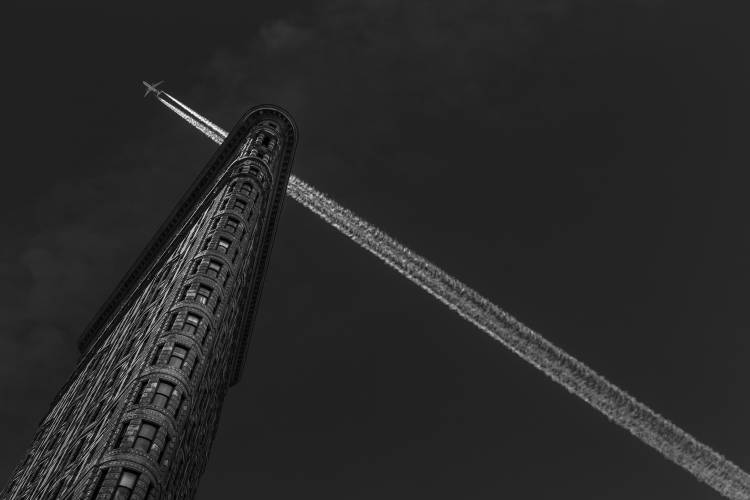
[584,164]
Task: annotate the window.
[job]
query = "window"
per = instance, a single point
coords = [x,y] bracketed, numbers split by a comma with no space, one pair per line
[195,267]
[141,394]
[178,355]
[226,278]
[224,245]
[218,303]
[125,485]
[215,223]
[246,189]
[206,244]
[161,453]
[145,438]
[214,268]
[121,437]
[205,336]
[177,408]
[155,359]
[203,294]
[172,319]
[240,205]
[163,393]
[192,321]
[231,225]
[224,204]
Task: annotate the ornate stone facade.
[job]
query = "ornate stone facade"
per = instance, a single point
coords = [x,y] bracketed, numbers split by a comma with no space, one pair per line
[137,418]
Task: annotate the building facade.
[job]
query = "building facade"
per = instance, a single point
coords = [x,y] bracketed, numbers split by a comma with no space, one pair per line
[137,418]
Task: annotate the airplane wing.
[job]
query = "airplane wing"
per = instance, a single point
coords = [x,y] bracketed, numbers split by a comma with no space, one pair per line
[151,87]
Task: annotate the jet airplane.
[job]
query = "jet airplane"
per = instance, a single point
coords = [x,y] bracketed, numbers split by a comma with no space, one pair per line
[151,87]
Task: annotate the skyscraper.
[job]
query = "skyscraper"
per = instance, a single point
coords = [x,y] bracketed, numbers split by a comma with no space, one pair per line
[137,418]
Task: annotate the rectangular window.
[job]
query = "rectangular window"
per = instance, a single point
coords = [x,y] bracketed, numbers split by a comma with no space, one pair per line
[126,484]
[224,204]
[246,189]
[205,336]
[240,205]
[195,267]
[223,245]
[121,436]
[155,359]
[172,319]
[214,268]
[226,278]
[178,355]
[163,393]
[145,438]
[192,321]
[231,225]
[203,294]
[179,406]
[206,244]
[218,303]
[214,224]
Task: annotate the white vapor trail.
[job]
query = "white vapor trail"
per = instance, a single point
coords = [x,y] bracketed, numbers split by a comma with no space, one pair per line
[199,124]
[650,427]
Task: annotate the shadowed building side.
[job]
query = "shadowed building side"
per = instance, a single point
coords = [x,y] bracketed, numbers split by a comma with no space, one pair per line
[137,418]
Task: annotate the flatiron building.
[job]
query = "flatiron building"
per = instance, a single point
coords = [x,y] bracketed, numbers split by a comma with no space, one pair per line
[137,418]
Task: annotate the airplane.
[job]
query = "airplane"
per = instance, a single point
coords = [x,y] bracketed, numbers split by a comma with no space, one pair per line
[151,87]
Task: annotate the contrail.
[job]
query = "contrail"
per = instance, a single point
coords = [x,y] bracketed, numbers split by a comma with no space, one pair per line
[201,119]
[617,405]
[215,134]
